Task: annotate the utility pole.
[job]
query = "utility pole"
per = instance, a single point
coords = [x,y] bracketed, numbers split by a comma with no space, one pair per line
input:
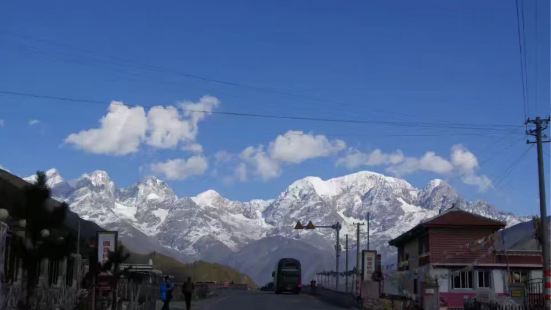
[358,258]
[346,265]
[368,218]
[78,236]
[337,227]
[541,125]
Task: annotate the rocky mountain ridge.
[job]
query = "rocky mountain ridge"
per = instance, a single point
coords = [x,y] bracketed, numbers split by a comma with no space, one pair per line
[211,227]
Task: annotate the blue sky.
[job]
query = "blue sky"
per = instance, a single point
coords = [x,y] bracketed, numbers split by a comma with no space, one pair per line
[421,66]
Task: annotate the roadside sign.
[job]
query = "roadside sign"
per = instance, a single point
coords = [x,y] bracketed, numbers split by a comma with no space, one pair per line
[107,242]
[369,264]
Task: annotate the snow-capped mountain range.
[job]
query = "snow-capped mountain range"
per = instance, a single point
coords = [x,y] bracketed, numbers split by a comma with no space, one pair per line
[150,216]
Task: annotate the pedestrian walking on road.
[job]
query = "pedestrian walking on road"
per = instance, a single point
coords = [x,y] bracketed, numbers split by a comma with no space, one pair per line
[187,290]
[166,293]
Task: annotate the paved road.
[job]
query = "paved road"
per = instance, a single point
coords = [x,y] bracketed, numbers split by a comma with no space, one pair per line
[245,300]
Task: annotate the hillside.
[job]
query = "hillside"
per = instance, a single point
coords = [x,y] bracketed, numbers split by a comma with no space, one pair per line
[199,271]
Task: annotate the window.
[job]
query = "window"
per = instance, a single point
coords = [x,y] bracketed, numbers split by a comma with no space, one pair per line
[483,278]
[518,276]
[462,280]
[415,286]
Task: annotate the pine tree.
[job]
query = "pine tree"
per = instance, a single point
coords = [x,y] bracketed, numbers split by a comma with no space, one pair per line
[44,235]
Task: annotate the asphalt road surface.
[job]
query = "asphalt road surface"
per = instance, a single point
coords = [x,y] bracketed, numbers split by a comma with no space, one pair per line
[253,300]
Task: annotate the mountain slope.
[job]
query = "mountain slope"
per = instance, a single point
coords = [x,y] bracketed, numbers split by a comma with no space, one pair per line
[211,227]
[199,271]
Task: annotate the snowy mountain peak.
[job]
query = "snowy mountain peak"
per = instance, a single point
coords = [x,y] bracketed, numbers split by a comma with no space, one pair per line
[152,181]
[154,188]
[434,184]
[98,178]
[210,225]
[438,194]
[53,178]
[209,198]
[321,187]
[359,182]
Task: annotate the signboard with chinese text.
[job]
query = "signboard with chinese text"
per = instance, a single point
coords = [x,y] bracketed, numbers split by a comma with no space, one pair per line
[107,242]
[369,264]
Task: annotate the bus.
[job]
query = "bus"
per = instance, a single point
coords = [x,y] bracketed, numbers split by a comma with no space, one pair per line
[287,276]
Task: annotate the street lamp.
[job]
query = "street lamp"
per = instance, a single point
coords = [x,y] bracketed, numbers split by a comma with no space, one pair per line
[337,227]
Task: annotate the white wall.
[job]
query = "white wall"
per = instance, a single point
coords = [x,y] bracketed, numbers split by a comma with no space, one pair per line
[499,278]
[535,274]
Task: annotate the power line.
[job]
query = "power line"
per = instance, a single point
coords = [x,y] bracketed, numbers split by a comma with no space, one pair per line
[122,62]
[512,167]
[536,83]
[522,56]
[499,150]
[428,125]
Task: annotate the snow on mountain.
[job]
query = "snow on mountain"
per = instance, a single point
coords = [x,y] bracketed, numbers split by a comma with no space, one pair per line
[53,178]
[211,227]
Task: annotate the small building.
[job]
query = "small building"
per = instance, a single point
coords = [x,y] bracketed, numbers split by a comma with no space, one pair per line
[460,255]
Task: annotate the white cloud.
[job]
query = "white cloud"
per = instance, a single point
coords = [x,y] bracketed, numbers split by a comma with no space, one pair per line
[481,181]
[34,122]
[296,146]
[291,148]
[125,128]
[462,164]
[428,162]
[166,128]
[434,163]
[463,159]
[180,169]
[193,148]
[262,164]
[466,164]
[197,111]
[354,158]
[241,172]
[121,131]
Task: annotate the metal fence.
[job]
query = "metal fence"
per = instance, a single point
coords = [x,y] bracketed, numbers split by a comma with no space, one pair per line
[531,299]
[534,294]
[476,305]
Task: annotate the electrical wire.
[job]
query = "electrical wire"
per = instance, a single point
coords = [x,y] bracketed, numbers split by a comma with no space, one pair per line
[122,62]
[458,126]
[522,56]
[499,151]
[512,166]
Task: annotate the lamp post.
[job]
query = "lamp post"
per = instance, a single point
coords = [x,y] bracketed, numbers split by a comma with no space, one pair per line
[337,227]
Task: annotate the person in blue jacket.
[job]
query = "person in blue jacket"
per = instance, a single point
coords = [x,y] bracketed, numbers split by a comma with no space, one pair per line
[166,293]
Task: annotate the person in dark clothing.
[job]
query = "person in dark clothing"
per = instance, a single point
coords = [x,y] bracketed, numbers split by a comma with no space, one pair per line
[187,290]
[313,286]
[166,293]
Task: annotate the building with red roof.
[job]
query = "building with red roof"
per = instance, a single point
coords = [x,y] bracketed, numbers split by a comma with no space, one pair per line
[459,255]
